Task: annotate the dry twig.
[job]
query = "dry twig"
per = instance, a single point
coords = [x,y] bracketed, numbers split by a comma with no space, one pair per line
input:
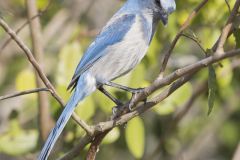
[182,29]
[23,93]
[44,117]
[41,74]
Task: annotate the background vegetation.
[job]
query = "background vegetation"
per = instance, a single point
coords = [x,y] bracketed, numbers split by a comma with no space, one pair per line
[177,128]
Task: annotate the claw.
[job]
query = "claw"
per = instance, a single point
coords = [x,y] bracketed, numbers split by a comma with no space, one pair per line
[131,104]
[114,111]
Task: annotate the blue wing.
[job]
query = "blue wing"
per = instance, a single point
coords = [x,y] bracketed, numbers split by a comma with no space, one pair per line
[113,33]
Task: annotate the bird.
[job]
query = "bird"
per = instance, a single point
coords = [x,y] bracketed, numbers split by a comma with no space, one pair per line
[116,50]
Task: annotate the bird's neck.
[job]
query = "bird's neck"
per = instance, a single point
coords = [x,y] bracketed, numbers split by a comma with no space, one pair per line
[149,26]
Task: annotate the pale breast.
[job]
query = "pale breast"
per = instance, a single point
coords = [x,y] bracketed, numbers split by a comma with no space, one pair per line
[122,57]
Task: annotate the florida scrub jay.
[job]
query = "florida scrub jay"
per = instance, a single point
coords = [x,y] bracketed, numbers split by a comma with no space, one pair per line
[118,48]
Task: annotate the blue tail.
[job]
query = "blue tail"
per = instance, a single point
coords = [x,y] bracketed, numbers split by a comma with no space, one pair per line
[57,130]
[81,91]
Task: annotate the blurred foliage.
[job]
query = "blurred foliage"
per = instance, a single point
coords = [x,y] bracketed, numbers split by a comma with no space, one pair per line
[135,137]
[177,99]
[72,29]
[22,141]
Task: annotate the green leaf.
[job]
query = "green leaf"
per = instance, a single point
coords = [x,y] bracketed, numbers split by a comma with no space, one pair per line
[212,86]
[135,137]
[236,34]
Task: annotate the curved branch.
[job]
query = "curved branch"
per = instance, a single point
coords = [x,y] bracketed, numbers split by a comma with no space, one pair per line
[226,31]
[40,72]
[5,44]
[23,93]
[174,42]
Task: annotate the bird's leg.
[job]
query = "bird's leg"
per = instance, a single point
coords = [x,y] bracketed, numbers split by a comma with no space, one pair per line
[134,91]
[128,89]
[105,92]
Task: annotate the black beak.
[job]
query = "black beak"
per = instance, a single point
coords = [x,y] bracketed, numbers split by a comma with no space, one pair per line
[165,12]
[164,18]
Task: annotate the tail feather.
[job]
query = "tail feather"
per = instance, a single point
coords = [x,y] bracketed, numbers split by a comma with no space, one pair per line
[86,85]
[55,133]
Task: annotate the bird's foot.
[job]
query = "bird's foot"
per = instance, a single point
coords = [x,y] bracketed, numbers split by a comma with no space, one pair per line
[134,94]
[114,111]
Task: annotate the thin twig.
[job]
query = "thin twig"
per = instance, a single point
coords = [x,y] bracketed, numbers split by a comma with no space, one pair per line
[195,40]
[226,30]
[40,13]
[23,93]
[173,44]
[45,121]
[228,5]
[38,69]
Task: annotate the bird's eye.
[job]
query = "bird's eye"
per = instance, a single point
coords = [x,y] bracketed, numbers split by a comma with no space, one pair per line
[158,3]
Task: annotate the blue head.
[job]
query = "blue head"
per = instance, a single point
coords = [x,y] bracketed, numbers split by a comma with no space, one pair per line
[159,9]
[165,8]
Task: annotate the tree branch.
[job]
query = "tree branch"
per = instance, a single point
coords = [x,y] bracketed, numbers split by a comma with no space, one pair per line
[44,117]
[23,93]
[5,44]
[179,34]
[226,30]
[101,127]
[92,152]
[38,69]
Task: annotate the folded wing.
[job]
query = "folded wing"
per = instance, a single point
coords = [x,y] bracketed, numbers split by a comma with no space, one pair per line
[113,33]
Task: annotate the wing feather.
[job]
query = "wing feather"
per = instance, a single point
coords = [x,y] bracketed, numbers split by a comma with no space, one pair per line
[113,33]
